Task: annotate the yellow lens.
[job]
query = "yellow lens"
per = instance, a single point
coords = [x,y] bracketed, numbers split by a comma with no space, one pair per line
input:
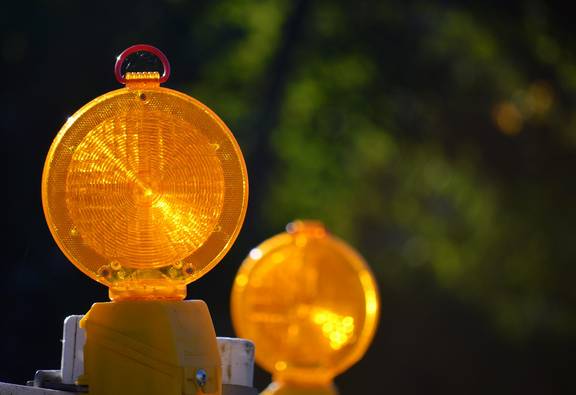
[308,301]
[145,189]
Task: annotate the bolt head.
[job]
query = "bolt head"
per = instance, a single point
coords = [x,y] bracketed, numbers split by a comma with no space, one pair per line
[201,378]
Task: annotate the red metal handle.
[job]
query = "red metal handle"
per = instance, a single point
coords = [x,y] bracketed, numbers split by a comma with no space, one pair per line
[141,48]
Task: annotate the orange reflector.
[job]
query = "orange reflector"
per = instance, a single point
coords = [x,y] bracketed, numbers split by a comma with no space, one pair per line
[308,301]
[145,189]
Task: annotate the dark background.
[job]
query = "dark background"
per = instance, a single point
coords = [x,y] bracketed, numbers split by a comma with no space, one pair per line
[438,138]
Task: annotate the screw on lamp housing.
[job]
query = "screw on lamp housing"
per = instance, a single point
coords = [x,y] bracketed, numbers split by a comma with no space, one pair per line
[201,378]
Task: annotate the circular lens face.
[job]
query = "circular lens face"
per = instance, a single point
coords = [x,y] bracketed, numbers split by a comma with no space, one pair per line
[144,188]
[308,301]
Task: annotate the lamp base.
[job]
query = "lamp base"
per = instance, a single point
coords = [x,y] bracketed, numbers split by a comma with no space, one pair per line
[146,347]
[280,388]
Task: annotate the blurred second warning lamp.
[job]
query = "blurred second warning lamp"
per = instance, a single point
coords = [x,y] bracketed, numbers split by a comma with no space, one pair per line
[144,190]
[310,303]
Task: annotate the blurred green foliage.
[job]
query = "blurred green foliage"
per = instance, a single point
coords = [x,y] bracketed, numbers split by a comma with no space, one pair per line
[437,139]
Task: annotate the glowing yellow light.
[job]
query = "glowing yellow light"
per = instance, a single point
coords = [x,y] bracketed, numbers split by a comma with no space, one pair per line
[338,329]
[241,280]
[308,301]
[145,189]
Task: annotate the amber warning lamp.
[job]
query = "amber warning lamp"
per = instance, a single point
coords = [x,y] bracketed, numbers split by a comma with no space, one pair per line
[144,190]
[310,303]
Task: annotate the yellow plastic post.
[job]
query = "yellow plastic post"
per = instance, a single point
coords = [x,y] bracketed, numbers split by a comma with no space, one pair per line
[151,347]
[310,304]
